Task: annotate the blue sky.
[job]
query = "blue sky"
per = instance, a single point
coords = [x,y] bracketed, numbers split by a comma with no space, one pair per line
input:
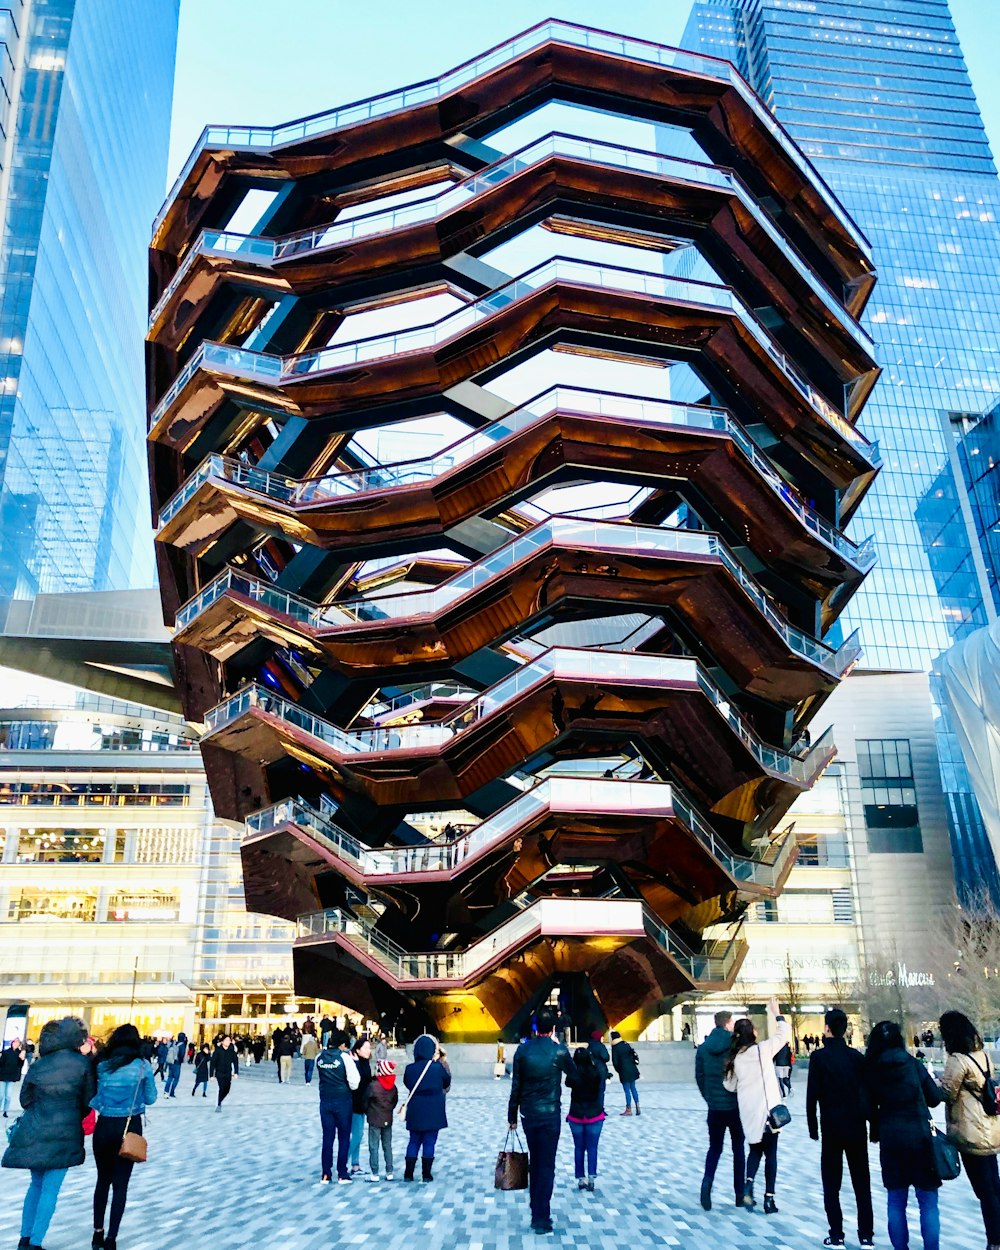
[257,61]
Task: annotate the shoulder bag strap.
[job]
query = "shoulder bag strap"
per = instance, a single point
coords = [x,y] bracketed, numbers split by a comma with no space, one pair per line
[416,1083]
[135,1095]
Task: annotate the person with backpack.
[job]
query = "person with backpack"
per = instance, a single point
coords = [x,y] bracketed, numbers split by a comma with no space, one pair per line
[626,1063]
[586,1114]
[900,1095]
[710,1062]
[125,1088]
[750,1075]
[428,1080]
[600,1052]
[174,1059]
[972,1119]
[47,1139]
[836,1087]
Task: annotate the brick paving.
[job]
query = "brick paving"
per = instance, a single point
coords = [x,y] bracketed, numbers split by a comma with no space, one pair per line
[249,1177]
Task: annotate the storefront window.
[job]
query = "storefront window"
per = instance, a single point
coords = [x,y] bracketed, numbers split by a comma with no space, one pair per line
[49,905]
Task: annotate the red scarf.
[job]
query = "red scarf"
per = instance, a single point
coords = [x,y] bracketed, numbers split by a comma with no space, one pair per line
[387,1082]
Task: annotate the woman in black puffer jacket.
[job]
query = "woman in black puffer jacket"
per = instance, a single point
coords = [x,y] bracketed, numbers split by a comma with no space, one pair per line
[900,1094]
[586,1114]
[48,1139]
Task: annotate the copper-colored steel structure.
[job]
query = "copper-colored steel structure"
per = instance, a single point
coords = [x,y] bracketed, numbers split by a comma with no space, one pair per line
[487,740]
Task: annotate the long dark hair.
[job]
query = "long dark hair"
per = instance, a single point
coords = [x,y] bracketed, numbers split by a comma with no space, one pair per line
[885,1036]
[959,1034]
[744,1036]
[124,1047]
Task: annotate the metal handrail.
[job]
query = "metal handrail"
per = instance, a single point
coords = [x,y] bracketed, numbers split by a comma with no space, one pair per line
[407,965]
[279,370]
[305,491]
[599,536]
[251,137]
[268,250]
[558,661]
[554,793]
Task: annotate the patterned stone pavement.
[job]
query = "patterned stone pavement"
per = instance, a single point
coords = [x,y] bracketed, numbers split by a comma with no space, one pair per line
[249,1177]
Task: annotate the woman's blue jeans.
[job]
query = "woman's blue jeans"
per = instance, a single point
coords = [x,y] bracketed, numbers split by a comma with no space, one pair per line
[357,1133]
[40,1202]
[585,1139]
[631,1093]
[425,1141]
[930,1218]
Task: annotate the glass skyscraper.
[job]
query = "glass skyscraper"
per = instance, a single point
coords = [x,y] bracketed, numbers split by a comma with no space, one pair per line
[85,98]
[877,94]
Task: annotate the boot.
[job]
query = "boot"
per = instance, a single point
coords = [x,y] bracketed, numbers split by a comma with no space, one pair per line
[411,1163]
[637,1111]
[706,1195]
[627,1111]
[97,1242]
[110,1243]
[425,1167]
[748,1201]
[769,1206]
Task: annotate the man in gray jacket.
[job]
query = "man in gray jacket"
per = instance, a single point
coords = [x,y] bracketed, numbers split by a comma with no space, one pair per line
[709,1068]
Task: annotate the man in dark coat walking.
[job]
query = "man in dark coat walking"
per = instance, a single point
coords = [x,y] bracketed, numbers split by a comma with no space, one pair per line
[11,1067]
[836,1085]
[48,1138]
[535,1090]
[710,1062]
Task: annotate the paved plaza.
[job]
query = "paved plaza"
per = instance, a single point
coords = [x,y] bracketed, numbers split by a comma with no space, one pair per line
[249,1177]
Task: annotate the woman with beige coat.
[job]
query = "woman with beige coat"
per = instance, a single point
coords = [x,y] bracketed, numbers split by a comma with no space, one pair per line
[750,1074]
[970,1127]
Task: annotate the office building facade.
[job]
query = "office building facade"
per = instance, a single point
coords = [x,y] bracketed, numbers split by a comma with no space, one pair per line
[85,102]
[878,96]
[497,737]
[121,896]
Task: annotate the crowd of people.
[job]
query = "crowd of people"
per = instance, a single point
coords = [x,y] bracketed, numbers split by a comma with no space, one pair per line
[883,1095]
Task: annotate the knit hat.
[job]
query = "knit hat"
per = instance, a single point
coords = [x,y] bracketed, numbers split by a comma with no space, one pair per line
[385,1067]
[596,1035]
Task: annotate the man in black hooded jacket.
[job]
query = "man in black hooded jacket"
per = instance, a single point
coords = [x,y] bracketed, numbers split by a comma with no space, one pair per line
[710,1062]
[837,1086]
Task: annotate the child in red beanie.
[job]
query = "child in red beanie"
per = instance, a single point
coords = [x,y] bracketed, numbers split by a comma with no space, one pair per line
[381,1097]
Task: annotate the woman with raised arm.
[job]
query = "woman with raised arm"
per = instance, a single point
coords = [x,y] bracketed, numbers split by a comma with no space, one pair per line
[750,1075]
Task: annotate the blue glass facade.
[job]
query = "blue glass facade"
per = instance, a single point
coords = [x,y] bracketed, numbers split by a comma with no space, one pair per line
[85,150]
[877,94]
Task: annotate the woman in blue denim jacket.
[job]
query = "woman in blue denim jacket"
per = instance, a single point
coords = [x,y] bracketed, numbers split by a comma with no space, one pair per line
[125,1088]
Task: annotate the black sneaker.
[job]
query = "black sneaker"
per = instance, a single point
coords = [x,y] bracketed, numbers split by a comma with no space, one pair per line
[836,1241]
[866,1243]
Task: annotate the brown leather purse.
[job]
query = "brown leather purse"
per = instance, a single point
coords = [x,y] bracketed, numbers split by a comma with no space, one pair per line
[133,1147]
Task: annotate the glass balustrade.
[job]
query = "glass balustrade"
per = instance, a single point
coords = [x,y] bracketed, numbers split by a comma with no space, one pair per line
[562,662]
[260,250]
[580,535]
[280,370]
[563,794]
[254,137]
[646,412]
[617,916]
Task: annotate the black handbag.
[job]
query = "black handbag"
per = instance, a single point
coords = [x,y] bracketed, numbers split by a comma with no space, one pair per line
[779,1115]
[947,1161]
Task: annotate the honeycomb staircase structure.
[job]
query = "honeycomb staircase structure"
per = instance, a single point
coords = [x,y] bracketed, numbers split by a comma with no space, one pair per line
[501,471]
